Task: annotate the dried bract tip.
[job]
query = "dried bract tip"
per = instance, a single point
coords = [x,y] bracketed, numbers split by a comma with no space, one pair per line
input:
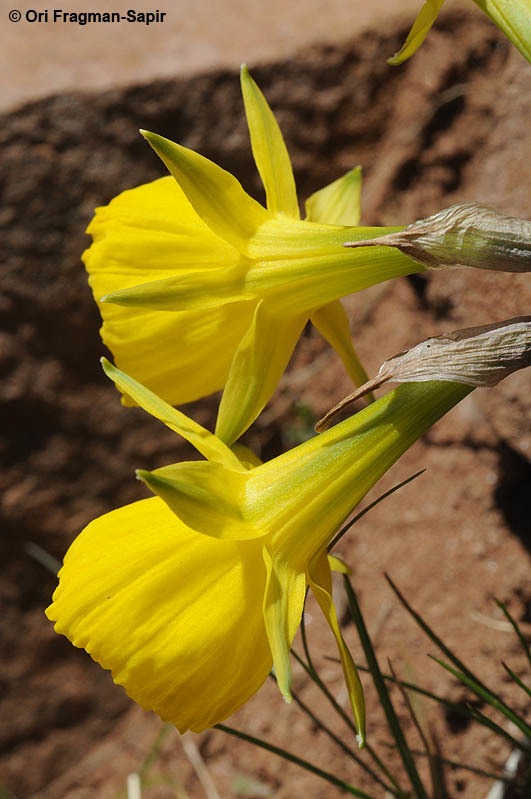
[466,234]
[475,356]
[366,388]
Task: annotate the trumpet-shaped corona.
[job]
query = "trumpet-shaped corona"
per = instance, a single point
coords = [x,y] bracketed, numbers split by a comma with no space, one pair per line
[191,596]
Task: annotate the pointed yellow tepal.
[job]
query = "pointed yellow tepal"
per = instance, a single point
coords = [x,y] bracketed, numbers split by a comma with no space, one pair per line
[191,596]
[339,203]
[216,196]
[421,27]
[513,17]
[269,150]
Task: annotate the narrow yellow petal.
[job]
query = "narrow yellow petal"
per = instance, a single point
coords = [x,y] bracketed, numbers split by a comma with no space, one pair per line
[283,605]
[175,616]
[339,203]
[203,440]
[320,581]
[269,150]
[208,498]
[332,323]
[337,564]
[513,17]
[421,27]
[215,194]
[258,365]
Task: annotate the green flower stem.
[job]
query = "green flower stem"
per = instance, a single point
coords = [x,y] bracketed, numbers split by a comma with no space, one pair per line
[325,775]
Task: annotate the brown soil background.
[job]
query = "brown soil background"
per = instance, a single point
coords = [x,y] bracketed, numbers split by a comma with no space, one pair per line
[195,36]
[451,125]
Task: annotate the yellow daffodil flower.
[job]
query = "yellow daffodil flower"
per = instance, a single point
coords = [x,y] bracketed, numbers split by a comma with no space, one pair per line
[513,17]
[201,287]
[189,597]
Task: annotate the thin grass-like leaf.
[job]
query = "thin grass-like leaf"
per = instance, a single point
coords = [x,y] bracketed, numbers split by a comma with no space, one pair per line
[422,691]
[43,557]
[331,734]
[429,632]
[465,712]
[480,690]
[436,780]
[517,679]
[343,746]
[481,717]
[455,765]
[440,790]
[372,505]
[325,775]
[470,679]
[383,694]
[155,749]
[516,627]
[397,790]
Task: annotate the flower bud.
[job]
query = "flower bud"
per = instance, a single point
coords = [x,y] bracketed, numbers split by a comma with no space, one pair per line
[466,234]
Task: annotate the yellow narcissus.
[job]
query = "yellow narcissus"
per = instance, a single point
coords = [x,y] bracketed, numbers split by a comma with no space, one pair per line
[513,17]
[191,596]
[202,288]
